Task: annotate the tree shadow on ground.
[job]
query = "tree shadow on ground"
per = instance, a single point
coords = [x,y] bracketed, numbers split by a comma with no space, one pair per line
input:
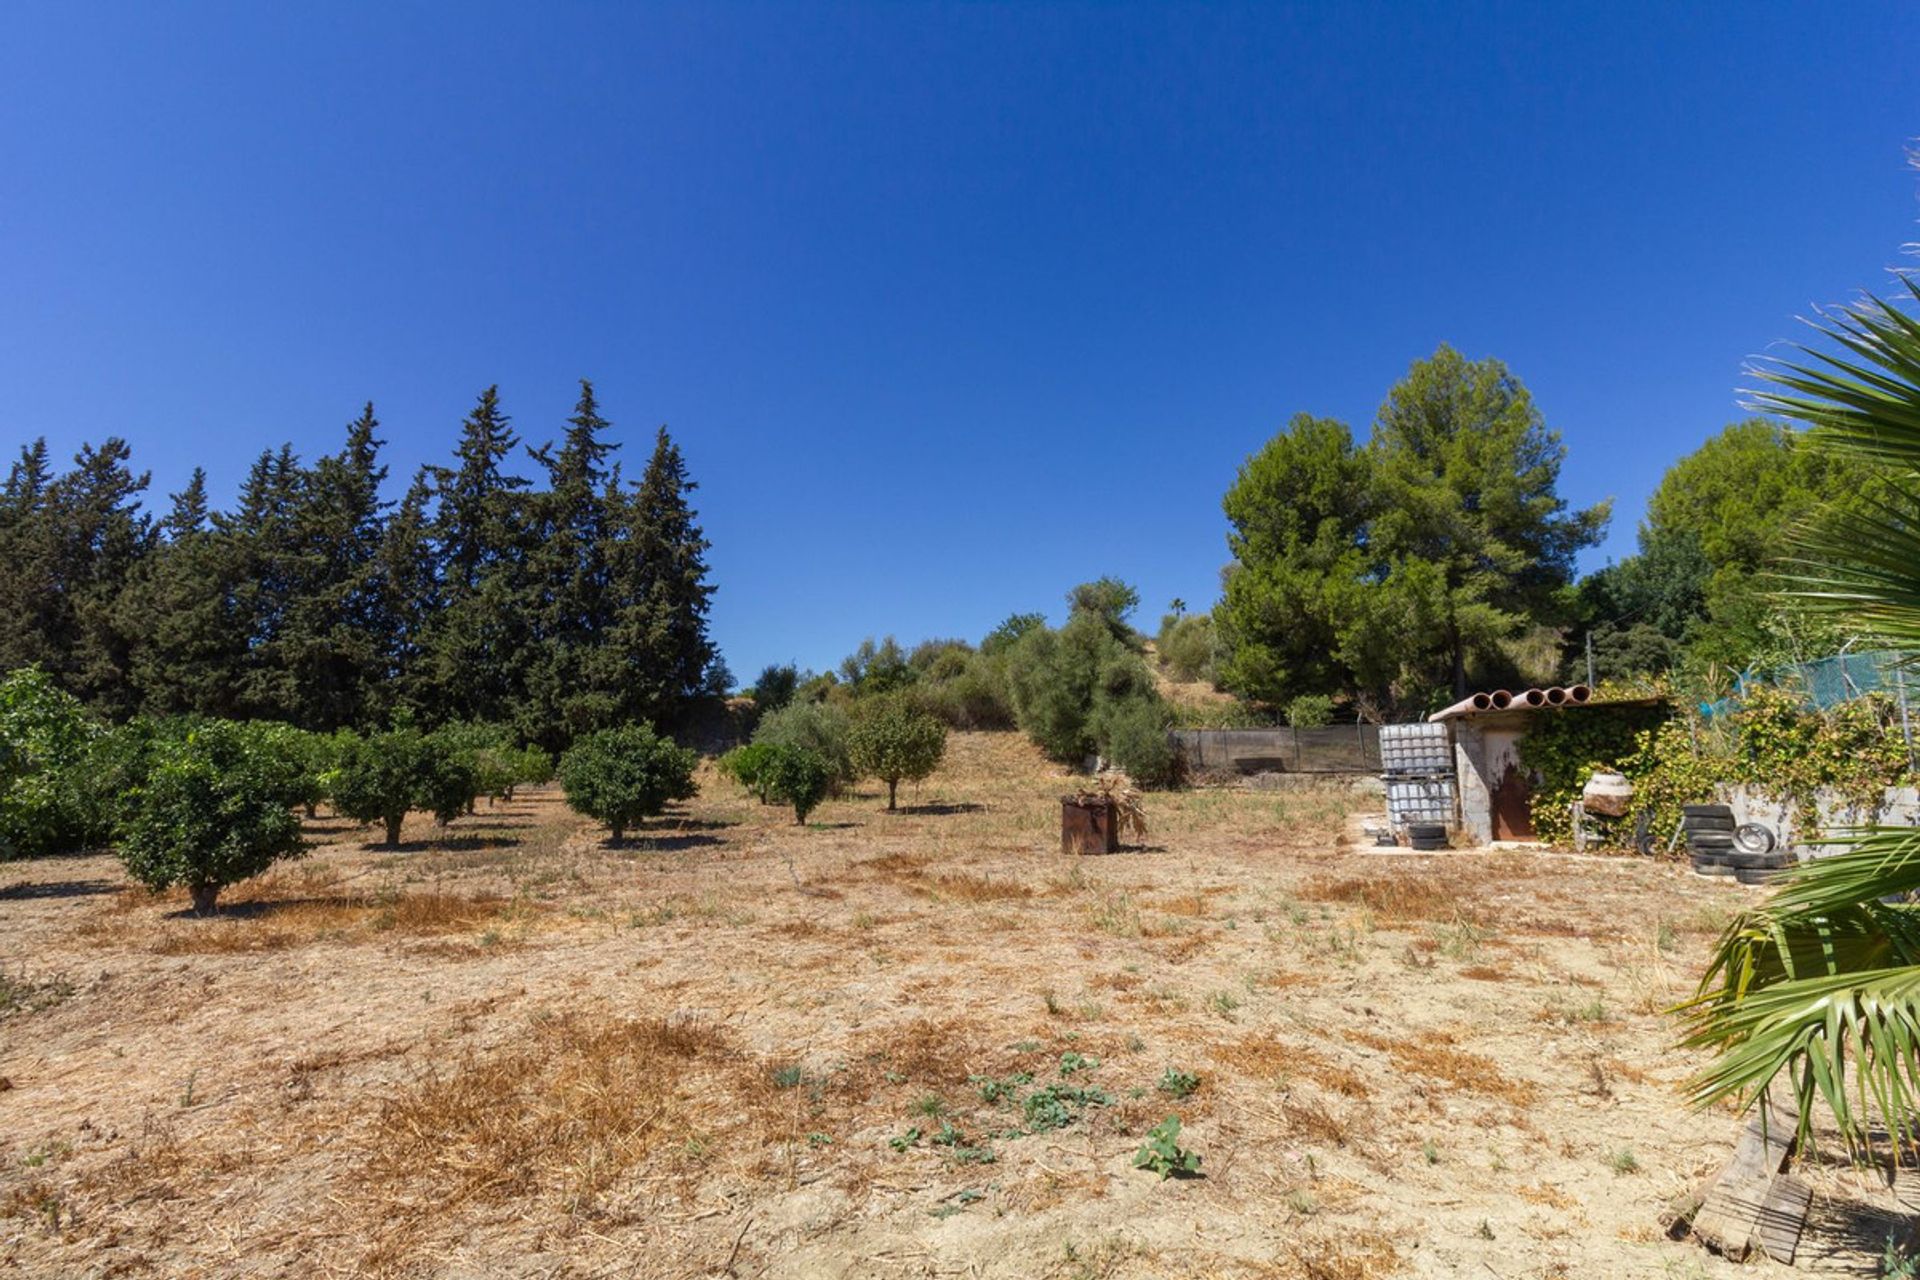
[42,889]
[447,844]
[834,826]
[940,810]
[661,842]
[262,909]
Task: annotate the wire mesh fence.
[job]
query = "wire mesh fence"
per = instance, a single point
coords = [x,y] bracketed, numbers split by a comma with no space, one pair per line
[1827,682]
[1350,748]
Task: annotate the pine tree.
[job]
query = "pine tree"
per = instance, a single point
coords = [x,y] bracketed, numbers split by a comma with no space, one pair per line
[98,535]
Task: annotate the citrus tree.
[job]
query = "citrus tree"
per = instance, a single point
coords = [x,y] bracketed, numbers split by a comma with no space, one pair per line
[797,775]
[1818,988]
[620,776]
[893,740]
[212,811]
[379,777]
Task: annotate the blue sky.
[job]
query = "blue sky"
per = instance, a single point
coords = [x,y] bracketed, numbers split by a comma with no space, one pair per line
[950,306]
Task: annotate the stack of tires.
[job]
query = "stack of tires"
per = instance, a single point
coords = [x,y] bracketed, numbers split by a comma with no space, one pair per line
[1426,836]
[1721,847]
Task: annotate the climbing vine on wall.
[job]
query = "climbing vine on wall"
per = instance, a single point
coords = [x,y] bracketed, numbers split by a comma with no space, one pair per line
[1563,749]
[1773,742]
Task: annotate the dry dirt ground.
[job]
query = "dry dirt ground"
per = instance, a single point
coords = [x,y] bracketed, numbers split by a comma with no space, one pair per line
[912,1044]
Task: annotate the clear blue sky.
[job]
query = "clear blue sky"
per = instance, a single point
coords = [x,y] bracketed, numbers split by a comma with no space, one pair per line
[950,306]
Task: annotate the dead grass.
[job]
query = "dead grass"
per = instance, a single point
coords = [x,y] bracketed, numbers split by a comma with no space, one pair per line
[1397,898]
[710,1049]
[1432,1056]
[1271,1058]
[559,1116]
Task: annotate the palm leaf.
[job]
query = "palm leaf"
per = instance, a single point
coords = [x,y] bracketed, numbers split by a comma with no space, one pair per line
[1821,983]
[1862,1028]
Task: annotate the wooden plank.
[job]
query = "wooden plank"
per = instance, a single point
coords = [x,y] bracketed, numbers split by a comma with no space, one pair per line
[1783,1217]
[1737,1204]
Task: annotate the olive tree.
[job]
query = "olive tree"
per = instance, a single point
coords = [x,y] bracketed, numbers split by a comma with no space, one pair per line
[620,776]
[211,812]
[894,740]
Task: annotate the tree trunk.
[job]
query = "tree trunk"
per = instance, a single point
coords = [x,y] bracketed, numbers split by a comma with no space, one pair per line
[893,788]
[393,827]
[619,831]
[313,810]
[203,898]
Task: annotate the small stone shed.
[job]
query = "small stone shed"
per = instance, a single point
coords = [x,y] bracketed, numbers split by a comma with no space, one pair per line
[1495,790]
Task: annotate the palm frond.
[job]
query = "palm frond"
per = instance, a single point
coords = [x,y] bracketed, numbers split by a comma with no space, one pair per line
[1867,406]
[1826,1032]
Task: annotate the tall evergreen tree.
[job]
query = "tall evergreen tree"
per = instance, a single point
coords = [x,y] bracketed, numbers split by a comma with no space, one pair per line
[189,638]
[660,659]
[337,632]
[475,643]
[567,575]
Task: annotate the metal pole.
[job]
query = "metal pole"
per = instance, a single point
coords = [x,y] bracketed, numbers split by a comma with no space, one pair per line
[1590,680]
[1906,725]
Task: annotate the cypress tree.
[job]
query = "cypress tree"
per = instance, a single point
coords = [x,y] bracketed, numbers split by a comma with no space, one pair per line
[568,570]
[474,644]
[189,642]
[660,659]
[335,639]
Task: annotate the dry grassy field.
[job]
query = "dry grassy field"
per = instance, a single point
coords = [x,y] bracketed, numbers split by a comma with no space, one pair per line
[913,1044]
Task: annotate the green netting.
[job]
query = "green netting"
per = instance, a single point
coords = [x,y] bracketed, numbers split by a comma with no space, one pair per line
[1830,681]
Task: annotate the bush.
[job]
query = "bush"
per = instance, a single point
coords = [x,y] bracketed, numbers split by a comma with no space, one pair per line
[1136,739]
[817,727]
[798,776]
[620,776]
[46,737]
[894,740]
[1081,691]
[748,766]
[383,775]
[211,813]
[1186,647]
[968,691]
[1310,711]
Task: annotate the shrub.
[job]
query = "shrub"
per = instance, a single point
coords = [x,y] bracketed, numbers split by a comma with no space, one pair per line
[1310,711]
[1136,739]
[1081,690]
[1186,646]
[383,775]
[211,812]
[894,740]
[817,727]
[620,776]
[797,776]
[46,737]
[748,766]
[975,698]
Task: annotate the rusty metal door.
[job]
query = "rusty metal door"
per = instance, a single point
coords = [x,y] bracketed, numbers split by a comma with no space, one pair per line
[1512,807]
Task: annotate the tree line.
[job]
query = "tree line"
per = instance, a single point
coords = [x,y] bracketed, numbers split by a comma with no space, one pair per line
[555,609]
[1436,556]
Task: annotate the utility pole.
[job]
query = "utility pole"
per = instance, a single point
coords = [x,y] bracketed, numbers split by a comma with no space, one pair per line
[1590,679]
